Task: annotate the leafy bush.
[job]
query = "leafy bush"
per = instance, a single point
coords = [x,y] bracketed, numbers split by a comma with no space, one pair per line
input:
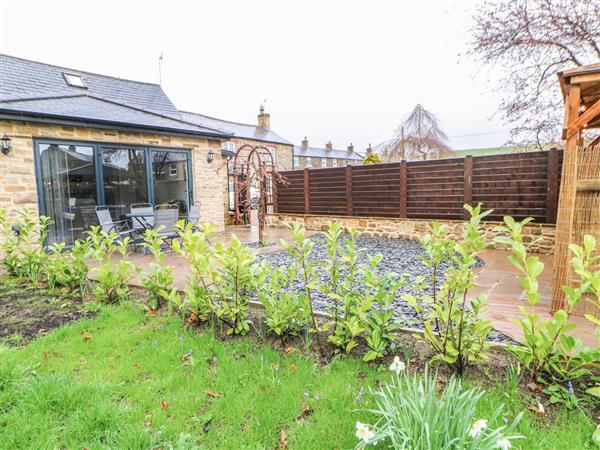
[547,345]
[411,414]
[237,278]
[194,245]
[376,309]
[286,312]
[454,327]
[113,271]
[23,246]
[300,250]
[160,276]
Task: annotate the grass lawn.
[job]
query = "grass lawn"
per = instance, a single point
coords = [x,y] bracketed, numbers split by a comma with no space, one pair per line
[126,380]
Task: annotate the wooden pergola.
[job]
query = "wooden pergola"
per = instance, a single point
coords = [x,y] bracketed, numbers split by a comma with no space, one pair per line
[579,203]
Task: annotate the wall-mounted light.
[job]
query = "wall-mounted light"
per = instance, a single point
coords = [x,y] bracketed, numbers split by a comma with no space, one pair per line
[6,147]
[210,157]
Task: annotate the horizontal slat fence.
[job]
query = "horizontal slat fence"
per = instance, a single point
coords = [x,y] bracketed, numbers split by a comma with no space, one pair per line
[516,184]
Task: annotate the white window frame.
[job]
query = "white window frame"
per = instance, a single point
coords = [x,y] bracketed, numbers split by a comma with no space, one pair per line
[296,162]
[228,146]
[173,169]
[308,161]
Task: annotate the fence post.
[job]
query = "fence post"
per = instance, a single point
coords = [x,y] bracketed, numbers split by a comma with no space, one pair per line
[552,186]
[403,184]
[274,199]
[349,210]
[468,183]
[306,193]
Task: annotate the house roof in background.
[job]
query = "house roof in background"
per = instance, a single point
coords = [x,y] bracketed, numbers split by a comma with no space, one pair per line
[34,89]
[316,152]
[240,130]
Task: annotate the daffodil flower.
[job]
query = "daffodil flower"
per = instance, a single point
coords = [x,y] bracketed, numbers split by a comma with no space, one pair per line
[364,432]
[477,427]
[397,365]
[503,444]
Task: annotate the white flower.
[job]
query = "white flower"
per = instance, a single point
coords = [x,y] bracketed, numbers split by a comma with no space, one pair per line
[503,444]
[477,427]
[364,432]
[397,365]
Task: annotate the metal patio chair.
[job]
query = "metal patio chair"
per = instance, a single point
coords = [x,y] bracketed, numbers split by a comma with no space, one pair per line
[194,216]
[165,218]
[107,223]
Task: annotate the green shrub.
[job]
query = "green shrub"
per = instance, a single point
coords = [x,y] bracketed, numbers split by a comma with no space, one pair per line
[454,327]
[411,414]
[113,271]
[237,278]
[286,312]
[160,277]
[194,245]
[23,246]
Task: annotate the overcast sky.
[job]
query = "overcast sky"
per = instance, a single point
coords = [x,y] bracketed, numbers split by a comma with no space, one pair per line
[345,71]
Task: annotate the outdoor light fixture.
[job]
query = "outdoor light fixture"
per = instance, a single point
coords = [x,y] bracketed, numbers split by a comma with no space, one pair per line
[6,148]
[209,158]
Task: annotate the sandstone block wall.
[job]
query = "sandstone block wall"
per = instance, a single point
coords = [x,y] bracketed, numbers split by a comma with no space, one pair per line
[540,237]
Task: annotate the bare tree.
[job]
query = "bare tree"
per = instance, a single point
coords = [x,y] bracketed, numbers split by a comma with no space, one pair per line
[418,137]
[527,42]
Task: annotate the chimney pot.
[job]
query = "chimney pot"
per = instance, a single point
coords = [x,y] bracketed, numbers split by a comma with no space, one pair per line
[305,144]
[264,119]
[329,146]
[369,149]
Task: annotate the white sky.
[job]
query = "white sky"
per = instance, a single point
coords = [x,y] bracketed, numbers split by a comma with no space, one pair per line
[340,70]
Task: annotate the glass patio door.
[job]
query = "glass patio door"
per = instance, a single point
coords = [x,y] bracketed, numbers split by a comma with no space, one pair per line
[125,179]
[68,190]
[170,178]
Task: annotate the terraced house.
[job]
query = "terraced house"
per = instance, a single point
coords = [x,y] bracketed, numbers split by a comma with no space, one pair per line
[75,140]
[306,156]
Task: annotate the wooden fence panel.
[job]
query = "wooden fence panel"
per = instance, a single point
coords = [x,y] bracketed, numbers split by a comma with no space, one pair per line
[518,184]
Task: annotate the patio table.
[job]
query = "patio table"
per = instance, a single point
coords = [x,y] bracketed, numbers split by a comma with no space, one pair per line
[141,218]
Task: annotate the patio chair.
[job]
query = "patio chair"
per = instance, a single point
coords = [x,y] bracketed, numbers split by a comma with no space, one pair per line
[107,223]
[194,216]
[140,225]
[165,218]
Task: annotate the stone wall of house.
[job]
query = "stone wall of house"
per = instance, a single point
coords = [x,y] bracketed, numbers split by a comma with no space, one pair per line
[284,160]
[18,187]
[540,237]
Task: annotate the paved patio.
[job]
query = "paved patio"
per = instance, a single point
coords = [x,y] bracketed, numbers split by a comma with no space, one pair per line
[497,279]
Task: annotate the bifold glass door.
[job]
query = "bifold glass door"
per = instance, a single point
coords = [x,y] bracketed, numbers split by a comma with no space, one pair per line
[74,178]
[68,194]
[171,178]
[125,179]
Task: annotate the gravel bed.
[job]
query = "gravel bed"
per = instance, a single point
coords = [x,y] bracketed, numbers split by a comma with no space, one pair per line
[399,256]
[259,245]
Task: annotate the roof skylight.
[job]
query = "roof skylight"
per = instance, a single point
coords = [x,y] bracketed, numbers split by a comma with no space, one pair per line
[74,80]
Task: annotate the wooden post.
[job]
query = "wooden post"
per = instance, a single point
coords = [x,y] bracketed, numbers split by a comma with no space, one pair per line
[552,186]
[403,184]
[306,193]
[349,210]
[468,184]
[566,201]
[274,199]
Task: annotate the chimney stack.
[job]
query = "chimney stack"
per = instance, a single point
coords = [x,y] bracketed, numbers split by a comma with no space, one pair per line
[305,144]
[369,149]
[264,119]
[351,148]
[329,146]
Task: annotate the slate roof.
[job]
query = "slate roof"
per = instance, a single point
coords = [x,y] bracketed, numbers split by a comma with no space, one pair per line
[316,152]
[34,89]
[241,130]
